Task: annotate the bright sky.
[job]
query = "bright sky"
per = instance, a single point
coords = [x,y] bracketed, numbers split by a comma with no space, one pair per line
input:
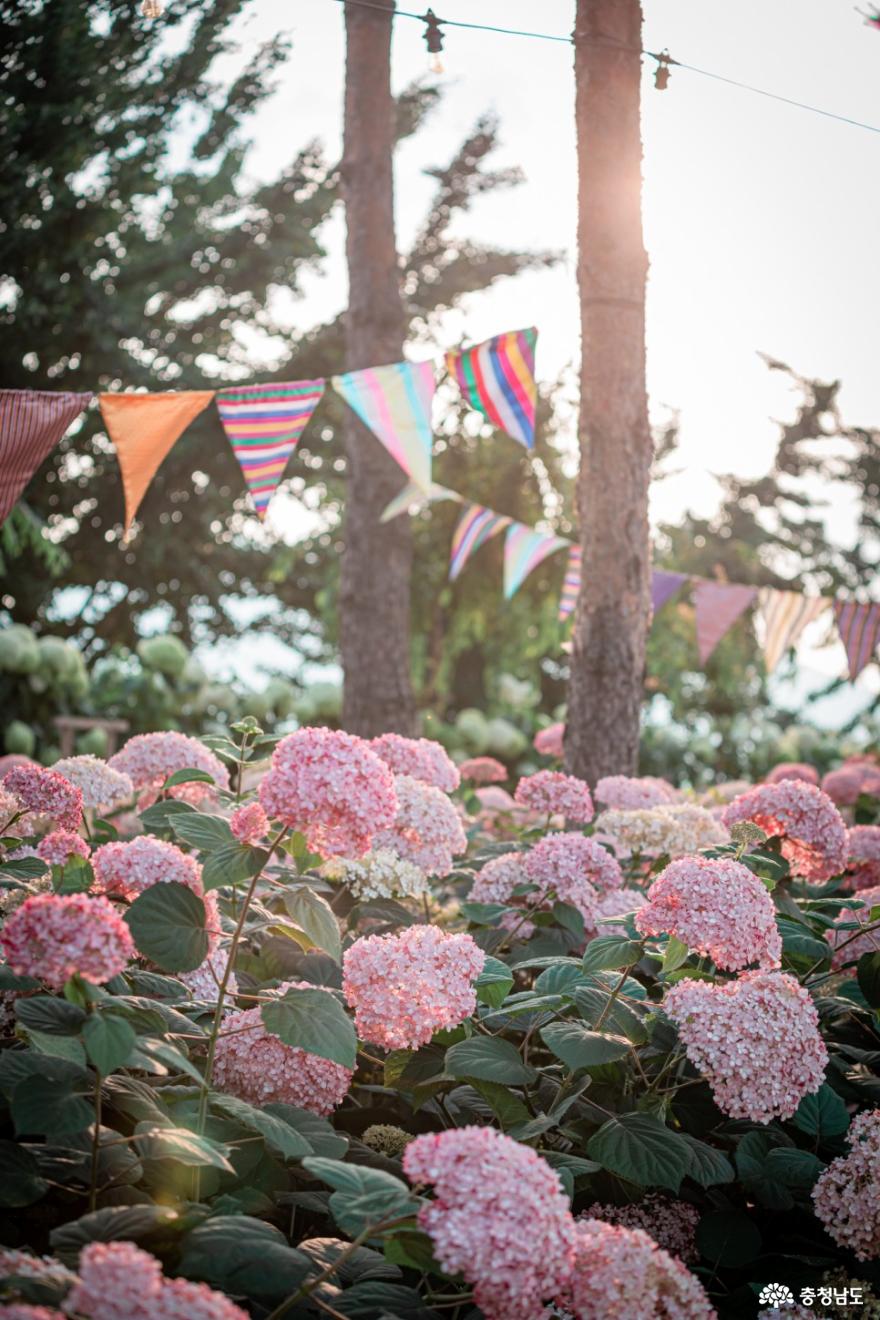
[760,218]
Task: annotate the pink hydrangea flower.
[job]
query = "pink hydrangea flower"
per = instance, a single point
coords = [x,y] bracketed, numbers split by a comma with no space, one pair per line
[556,794]
[849,945]
[24,1311]
[576,869]
[119,1281]
[811,828]
[793,770]
[847,1194]
[103,788]
[853,779]
[46,793]
[420,758]
[44,1269]
[10,807]
[249,824]
[549,741]
[483,770]
[500,1218]
[204,981]
[58,846]
[716,907]
[863,857]
[496,882]
[258,1067]
[333,788]
[621,1272]
[182,1300]
[623,793]
[427,829]
[755,1039]
[127,869]
[672,1224]
[149,758]
[405,987]
[52,937]
[618,902]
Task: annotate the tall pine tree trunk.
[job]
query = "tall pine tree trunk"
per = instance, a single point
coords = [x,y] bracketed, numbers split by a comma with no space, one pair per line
[376,561]
[613,609]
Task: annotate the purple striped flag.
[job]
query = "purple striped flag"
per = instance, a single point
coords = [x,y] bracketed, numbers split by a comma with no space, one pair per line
[264,424]
[859,628]
[476,526]
[664,585]
[498,379]
[717,606]
[571,583]
[31,424]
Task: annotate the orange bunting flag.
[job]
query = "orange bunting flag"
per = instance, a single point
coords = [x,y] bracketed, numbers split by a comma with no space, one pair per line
[144,429]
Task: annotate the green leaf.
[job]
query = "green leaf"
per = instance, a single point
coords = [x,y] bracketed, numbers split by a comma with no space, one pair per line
[243,1256]
[232,865]
[40,1107]
[279,1136]
[318,1132]
[800,943]
[315,918]
[314,1021]
[159,815]
[109,1041]
[24,868]
[728,1238]
[375,1297]
[53,1017]
[675,955]
[571,919]
[795,1168]
[822,1114]
[489,1059]
[121,1223]
[611,951]
[484,914]
[188,776]
[708,1167]
[641,1149]
[494,982]
[362,1196]
[20,1181]
[205,832]
[592,1002]
[167,922]
[504,1103]
[9,980]
[169,1143]
[579,1048]
[868,976]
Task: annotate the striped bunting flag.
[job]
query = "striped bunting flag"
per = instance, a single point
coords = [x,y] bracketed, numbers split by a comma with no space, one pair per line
[498,379]
[476,526]
[524,550]
[859,628]
[395,403]
[571,583]
[31,424]
[717,606]
[412,499]
[663,586]
[784,615]
[264,424]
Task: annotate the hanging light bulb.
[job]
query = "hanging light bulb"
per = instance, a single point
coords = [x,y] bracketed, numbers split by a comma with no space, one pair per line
[152,9]
[434,39]
[661,76]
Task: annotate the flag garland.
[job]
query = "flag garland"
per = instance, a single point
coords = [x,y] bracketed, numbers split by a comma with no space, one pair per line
[524,550]
[32,422]
[497,378]
[412,499]
[571,583]
[395,402]
[717,606]
[475,527]
[859,628]
[784,615]
[264,424]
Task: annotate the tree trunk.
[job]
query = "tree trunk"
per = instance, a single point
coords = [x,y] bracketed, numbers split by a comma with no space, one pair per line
[613,609]
[377,558]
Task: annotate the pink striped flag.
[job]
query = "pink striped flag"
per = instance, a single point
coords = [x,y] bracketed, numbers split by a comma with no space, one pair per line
[571,583]
[264,424]
[524,550]
[498,379]
[395,403]
[664,585]
[31,424]
[476,526]
[717,606]
[859,628]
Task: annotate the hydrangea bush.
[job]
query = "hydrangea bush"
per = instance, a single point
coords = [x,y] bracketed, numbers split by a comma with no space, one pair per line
[300,1027]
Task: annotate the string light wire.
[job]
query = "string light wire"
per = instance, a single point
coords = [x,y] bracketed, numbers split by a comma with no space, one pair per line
[571,40]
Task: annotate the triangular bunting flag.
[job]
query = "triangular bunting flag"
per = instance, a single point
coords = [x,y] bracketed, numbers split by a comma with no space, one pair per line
[571,583]
[31,424]
[498,379]
[859,628]
[524,550]
[717,606]
[264,423]
[476,526]
[395,403]
[412,500]
[664,585]
[144,427]
[784,615]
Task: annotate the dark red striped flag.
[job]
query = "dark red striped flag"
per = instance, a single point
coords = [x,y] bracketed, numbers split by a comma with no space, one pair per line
[31,424]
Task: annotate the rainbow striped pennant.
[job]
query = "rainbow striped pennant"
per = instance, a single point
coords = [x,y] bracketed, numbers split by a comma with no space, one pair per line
[264,424]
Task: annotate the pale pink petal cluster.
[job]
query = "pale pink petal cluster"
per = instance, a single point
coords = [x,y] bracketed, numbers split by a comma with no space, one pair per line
[150,758]
[625,793]
[25,1311]
[42,1268]
[427,829]
[258,1067]
[57,847]
[420,758]
[672,1224]
[618,902]
[620,1273]
[549,741]
[675,829]
[119,1281]
[333,788]
[53,937]
[811,828]
[499,1218]
[204,982]
[755,1039]
[847,1194]
[127,869]
[793,770]
[405,987]
[575,870]
[716,907]
[863,857]
[849,945]
[10,807]
[249,823]
[851,781]
[496,882]
[549,792]
[46,793]
[102,787]
[483,770]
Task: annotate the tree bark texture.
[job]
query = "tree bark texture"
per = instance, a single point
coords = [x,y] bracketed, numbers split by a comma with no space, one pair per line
[613,610]
[377,558]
